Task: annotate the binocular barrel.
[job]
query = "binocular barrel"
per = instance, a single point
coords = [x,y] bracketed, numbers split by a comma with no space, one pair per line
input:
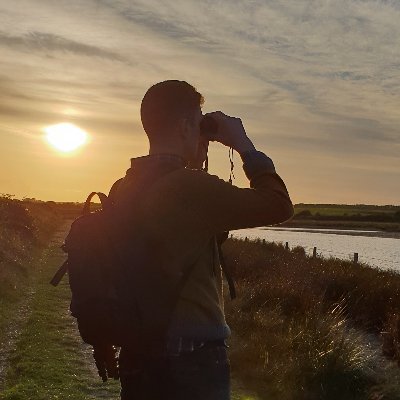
[208,127]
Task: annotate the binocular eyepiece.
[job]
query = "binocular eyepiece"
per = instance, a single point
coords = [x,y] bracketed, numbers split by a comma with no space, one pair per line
[208,127]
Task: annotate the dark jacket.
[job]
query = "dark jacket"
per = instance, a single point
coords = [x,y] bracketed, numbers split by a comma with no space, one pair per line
[180,210]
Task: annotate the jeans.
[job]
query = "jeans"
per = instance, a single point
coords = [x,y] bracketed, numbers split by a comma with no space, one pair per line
[203,374]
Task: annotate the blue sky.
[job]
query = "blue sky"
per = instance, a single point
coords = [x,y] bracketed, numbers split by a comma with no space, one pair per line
[316,83]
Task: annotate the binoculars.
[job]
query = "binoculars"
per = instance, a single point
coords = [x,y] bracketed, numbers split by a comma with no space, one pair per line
[208,127]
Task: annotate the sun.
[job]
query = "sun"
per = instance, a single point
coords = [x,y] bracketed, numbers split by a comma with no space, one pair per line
[65,137]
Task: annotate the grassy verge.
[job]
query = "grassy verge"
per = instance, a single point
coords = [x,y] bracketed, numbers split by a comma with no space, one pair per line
[309,329]
[49,361]
[24,229]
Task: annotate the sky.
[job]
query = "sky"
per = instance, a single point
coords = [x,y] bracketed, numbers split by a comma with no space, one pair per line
[316,84]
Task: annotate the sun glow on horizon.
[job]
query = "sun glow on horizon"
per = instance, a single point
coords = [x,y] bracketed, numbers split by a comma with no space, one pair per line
[65,137]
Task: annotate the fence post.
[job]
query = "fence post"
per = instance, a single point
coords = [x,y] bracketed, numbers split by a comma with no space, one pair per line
[264,242]
[287,246]
[314,253]
[245,239]
[355,258]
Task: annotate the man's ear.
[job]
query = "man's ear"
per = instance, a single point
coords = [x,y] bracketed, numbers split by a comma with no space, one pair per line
[183,127]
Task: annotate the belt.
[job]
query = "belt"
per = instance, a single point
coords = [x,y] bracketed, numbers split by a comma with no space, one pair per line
[176,346]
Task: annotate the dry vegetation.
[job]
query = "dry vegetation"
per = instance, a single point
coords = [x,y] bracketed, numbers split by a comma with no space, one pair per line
[20,234]
[310,328]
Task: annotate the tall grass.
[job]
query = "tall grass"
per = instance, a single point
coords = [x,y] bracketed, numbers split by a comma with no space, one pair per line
[309,328]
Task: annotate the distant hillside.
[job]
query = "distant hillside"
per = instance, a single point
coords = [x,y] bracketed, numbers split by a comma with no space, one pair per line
[346,208]
[342,213]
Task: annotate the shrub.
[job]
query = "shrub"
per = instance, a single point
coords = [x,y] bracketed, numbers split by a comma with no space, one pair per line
[23,226]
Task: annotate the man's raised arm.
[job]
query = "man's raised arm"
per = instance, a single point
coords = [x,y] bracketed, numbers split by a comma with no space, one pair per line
[223,206]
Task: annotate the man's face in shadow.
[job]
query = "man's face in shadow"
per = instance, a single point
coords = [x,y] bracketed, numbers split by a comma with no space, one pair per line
[196,145]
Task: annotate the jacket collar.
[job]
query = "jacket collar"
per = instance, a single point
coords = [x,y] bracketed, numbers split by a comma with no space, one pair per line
[156,159]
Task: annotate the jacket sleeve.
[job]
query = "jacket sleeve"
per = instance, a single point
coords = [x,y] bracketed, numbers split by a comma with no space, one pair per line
[223,207]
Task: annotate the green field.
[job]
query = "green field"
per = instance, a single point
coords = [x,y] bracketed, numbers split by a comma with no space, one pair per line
[346,210]
[334,216]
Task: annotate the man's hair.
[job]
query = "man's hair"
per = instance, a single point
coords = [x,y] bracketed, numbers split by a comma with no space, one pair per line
[165,103]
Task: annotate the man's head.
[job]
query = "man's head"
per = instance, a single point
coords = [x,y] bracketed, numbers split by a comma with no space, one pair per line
[171,115]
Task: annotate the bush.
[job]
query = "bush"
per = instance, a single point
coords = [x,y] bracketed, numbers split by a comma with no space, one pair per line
[24,225]
[15,217]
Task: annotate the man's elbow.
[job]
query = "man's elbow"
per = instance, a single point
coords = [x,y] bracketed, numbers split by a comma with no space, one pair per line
[283,212]
[287,211]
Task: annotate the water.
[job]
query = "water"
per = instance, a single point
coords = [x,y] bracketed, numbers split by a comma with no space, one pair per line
[381,252]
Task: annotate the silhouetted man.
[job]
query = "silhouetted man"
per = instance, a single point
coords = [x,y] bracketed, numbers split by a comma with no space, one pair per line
[184,208]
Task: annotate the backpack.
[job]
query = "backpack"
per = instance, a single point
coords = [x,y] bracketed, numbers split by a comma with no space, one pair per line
[92,265]
[105,301]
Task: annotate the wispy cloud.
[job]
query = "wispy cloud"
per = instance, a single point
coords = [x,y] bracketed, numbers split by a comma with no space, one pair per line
[48,43]
[305,76]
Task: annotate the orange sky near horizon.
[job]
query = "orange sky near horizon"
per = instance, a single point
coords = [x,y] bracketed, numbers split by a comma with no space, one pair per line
[317,87]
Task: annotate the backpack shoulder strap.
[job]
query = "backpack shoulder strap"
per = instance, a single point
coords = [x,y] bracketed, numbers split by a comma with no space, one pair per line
[59,274]
[105,203]
[227,273]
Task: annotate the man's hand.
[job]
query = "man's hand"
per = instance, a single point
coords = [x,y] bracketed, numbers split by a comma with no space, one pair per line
[231,132]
